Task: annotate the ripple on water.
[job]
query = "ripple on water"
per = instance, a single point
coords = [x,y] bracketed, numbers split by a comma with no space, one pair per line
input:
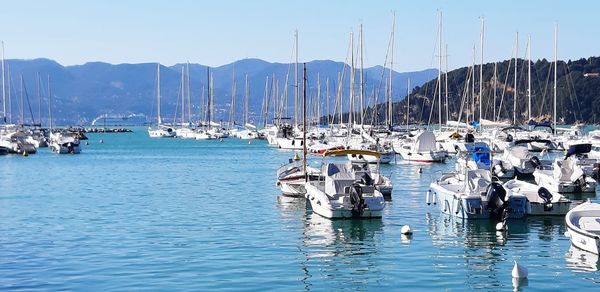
[141,214]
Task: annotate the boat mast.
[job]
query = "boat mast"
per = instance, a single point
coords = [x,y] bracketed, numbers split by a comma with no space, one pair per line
[39,99]
[515,87]
[327,96]
[318,98]
[189,93]
[233,94]
[209,95]
[446,87]
[158,92]
[555,73]
[390,111]
[182,95]
[352,106]
[481,73]
[529,78]
[22,105]
[361,85]
[3,88]
[297,87]
[473,85]
[49,104]
[495,87]
[246,94]
[304,152]
[440,71]
[407,103]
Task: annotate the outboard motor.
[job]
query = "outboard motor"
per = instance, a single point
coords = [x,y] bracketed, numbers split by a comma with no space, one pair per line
[535,161]
[357,201]
[547,197]
[469,138]
[496,200]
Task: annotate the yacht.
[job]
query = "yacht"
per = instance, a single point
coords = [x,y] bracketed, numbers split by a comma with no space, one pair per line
[423,148]
[345,190]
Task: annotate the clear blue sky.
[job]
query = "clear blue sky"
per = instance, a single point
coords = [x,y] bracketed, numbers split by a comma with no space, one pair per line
[221,31]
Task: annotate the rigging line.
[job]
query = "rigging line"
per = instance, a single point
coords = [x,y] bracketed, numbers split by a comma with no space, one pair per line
[546,89]
[28,103]
[504,89]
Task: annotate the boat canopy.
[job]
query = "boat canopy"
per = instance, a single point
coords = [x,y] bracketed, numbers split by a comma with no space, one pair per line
[425,142]
[342,152]
[578,149]
[481,154]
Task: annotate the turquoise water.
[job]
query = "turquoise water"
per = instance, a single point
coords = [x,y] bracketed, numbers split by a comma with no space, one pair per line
[160,214]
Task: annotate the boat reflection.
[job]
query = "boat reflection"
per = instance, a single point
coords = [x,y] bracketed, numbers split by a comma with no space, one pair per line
[340,250]
[579,260]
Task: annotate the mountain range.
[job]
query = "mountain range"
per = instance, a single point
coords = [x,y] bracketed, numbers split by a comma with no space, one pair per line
[81,93]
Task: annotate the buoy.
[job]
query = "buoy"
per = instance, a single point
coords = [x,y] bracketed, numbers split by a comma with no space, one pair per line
[296,156]
[567,234]
[87,143]
[420,170]
[501,226]
[519,271]
[220,139]
[427,197]
[405,230]
[101,141]
[25,154]
[249,142]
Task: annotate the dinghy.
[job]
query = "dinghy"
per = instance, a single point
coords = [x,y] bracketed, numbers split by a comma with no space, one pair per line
[583,224]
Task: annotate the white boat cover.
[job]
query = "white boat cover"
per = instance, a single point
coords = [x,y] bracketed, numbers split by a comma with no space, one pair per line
[338,176]
[425,142]
[566,171]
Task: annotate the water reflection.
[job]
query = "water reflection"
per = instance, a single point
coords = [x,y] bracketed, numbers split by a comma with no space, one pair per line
[340,251]
[579,260]
[483,255]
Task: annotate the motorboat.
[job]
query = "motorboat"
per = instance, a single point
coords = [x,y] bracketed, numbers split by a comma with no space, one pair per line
[291,178]
[161,132]
[473,195]
[423,148]
[522,160]
[64,143]
[583,226]
[564,176]
[345,190]
[540,201]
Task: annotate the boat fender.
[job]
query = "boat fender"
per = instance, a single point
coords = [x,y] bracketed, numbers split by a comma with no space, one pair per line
[427,197]
[547,197]
[406,230]
[434,198]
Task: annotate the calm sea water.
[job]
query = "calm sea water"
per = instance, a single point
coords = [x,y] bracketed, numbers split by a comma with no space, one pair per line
[136,213]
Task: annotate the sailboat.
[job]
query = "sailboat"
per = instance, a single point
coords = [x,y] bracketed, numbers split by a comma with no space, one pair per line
[160,131]
[249,133]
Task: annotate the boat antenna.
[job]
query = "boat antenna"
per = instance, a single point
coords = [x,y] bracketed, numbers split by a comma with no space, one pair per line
[304,125]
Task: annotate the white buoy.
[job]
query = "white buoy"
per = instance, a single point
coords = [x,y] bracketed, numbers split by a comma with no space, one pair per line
[519,271]
[249,142]
[101,141]
[501,226]
[405,230]
[428,197]
[567,234]
[220,139]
